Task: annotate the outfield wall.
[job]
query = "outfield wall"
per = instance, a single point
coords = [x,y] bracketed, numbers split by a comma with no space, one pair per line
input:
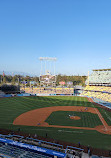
[28,94]
[13,95]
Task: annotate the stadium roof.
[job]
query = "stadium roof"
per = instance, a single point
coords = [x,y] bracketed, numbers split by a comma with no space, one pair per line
[102,70]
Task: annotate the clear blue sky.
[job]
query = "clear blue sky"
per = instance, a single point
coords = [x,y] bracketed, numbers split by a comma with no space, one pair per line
[77,32]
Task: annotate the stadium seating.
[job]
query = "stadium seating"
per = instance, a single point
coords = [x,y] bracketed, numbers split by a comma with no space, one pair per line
[13,151]
[99,92]
[8,150]
[19,152]
[99,85]
[49,90]
[100,77]
[99,88]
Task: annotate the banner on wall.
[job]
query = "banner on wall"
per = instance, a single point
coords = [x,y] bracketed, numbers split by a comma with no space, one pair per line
[32,147]
[62,83]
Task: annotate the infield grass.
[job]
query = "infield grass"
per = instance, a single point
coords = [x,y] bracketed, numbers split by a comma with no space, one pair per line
[62,118]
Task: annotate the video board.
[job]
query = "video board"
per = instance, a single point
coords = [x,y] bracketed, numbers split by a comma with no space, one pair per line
[47,78]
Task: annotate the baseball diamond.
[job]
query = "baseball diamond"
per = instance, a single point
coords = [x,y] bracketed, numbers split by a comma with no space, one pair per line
[38,114]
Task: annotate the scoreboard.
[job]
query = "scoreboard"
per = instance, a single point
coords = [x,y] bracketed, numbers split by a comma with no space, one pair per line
[47,78]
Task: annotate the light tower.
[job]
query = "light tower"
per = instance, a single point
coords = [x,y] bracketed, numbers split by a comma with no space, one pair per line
[47,71]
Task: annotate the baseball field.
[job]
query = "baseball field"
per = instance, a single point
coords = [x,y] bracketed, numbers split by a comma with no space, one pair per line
[68,118]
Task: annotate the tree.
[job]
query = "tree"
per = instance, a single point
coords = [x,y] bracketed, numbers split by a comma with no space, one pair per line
[4,79]
[14,80]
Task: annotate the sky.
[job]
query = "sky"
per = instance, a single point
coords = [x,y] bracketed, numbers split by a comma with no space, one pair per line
[76,32]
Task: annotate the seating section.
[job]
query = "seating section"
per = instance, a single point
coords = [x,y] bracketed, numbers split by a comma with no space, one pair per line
[30,154]
[100,92]
[100,77]
[13,151]
[99,85]
[17,152]
[45,144]
[98,88]
[49,90]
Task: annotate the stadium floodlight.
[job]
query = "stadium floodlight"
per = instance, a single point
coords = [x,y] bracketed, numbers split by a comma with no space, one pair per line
[47,70]
[47,58]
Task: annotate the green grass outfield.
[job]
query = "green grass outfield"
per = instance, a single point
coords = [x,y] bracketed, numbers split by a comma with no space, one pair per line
[10,108]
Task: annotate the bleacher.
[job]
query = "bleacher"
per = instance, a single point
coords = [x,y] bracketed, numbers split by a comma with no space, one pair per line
[100,77]
[16,146]
[91,91]
[17,152]
[11,151]
[50,90]
[99,85]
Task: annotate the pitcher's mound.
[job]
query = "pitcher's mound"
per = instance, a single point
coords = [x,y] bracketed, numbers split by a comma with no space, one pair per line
[75,117]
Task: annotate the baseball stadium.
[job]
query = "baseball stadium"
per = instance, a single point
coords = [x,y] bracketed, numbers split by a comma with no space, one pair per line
[57,121]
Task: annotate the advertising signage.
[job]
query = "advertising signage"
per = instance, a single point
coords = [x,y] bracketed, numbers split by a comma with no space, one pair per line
[62,83]
[35,148]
